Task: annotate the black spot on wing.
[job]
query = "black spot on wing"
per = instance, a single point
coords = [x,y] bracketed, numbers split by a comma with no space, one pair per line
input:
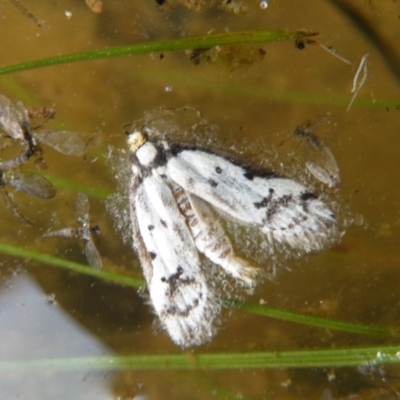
[307,196]
[163,223]
[152,255]
[285,200]
[251,170]
[248,175]
[212,183]
[263,203]
[161,157]
[150,227]
[175,281]
[266,201]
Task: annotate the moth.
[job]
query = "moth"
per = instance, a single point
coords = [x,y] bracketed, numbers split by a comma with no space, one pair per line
[178,197]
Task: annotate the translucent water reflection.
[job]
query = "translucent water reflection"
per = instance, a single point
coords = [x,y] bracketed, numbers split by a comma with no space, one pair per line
[34,327]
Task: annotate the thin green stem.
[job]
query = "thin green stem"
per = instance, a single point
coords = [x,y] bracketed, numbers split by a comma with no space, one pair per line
[252,308]
[196,42]
[373,356]
[70,265]
[316,321]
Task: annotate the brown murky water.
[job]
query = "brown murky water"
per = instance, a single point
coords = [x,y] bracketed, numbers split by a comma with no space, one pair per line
[260,101]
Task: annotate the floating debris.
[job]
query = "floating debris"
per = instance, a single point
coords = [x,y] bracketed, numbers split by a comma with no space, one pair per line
[95,5]
[357,82]
[233,57]
[302,43]
[85,232]
[235,6]
[68,14]
[27,14]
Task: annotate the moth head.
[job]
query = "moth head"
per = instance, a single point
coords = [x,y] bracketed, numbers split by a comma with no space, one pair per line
[136,140]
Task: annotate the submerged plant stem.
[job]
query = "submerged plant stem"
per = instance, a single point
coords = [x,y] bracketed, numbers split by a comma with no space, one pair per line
[315,321]
[70,265]
[207,41]
[129,281]
[377,355]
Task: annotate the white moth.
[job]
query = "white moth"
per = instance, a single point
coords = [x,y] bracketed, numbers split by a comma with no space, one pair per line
[175,193]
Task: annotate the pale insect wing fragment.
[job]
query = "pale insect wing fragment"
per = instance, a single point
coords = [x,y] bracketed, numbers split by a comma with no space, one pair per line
[320,160]
[211,239]
[22,113]
[326,170]
[171,264]
[10,119]
[31,184]
[65,232]
[93,142]
[331,160]
[280,208]
[65,142]
[92,255]
[82,208]
[322,174]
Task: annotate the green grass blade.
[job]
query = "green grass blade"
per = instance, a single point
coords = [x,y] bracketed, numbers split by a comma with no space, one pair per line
[129,281]
[196,42]
[315,321]
[374,356]
[70,265]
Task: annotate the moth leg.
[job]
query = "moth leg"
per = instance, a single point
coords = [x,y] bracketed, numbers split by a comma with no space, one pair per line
[211,239]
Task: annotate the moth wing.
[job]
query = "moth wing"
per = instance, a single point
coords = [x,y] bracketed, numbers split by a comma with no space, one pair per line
[210,237]
[171,264]
[281,208]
